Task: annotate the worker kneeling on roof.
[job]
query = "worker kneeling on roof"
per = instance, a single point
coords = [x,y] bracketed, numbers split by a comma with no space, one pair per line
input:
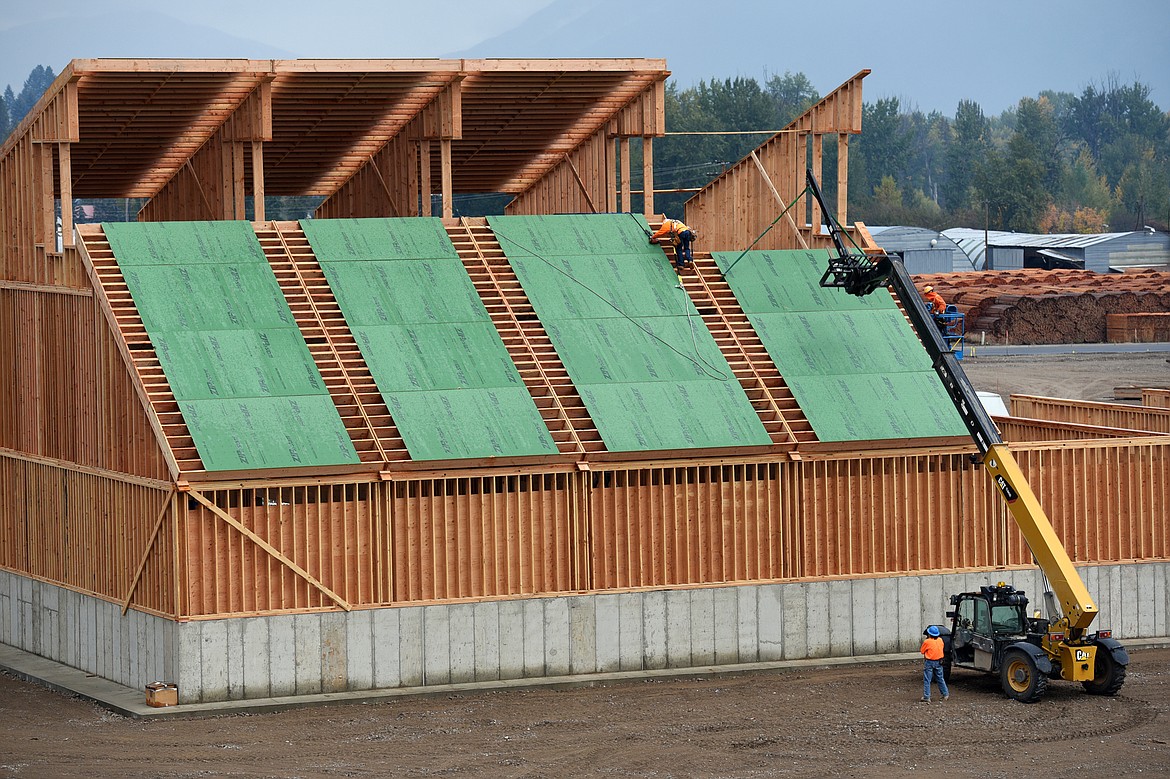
[681,237]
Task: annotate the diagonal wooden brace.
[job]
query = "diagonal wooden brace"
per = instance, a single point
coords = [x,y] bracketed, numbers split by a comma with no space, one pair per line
[271,550]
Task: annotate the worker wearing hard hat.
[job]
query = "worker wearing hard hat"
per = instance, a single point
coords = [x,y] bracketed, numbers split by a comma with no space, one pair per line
[938,306]
[932,650]
[681,237]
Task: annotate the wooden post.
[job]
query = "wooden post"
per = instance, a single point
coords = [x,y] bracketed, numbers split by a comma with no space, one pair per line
[238,179]
[445,165]
[413,207]
[424,150]
[225,180]
[66,185]
[625,205]
[647,176]
[257,181]
[843,178]
[817,150]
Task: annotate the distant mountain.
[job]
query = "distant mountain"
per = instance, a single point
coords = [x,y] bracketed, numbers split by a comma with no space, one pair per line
[54,42]
[930,55]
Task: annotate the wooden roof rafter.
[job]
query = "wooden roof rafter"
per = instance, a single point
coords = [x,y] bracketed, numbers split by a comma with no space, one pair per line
[140,121]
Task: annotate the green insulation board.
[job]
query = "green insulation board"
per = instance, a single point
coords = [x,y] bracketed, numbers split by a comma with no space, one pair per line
[853,363]
[236,361]
[648,370]
[431,347]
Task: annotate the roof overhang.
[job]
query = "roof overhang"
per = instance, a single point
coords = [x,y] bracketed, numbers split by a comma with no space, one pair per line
[135,123]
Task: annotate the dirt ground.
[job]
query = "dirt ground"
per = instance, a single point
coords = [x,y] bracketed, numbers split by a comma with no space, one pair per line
[1080,376]
[851,721]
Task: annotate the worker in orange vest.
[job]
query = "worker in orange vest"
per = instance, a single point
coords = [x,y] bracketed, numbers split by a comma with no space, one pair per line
[932,652]
[938,307]
[681,237]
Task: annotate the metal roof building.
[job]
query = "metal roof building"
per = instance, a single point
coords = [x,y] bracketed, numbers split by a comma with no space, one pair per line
[1101,252]
[923,250]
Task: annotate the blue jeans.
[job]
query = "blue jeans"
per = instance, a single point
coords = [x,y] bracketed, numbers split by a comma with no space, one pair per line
[933,670]
[683,252]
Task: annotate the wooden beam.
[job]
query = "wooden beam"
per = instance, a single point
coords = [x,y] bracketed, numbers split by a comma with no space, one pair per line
[625,205]
[199,187]
[270,549]
[843,178]
[66,188]
[647,176]
[257,181]
[238,191]
[580,183]
[158,520]
[818,146]
[776,195]
[445,167]
[424,153]
[385,188]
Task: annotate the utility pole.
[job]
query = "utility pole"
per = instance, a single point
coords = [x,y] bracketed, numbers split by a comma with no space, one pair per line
[986,219]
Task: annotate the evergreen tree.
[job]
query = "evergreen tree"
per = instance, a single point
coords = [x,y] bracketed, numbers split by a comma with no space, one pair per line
[969,143]
[881,150]
[40,79]
[792,95]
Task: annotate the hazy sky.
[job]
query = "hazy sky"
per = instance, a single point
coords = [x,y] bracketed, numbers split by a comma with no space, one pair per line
[928,54]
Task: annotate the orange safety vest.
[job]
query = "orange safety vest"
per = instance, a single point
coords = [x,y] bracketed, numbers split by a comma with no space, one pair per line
[932,648]
[671,227]
[937,304]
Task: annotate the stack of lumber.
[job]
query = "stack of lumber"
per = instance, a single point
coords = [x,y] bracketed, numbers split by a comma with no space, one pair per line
[1034,306]
[1137,328]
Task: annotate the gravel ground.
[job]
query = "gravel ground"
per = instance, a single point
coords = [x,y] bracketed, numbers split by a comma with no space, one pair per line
[848,721]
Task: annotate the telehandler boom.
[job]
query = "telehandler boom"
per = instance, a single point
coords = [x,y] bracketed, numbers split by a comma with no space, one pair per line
[990,630]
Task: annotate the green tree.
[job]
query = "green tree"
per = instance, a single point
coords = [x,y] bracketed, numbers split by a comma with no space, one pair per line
[881,150]
[688,161]
[969,143]
[1143,191]
[40,79]
[5,122]
[792,94]
[1081,186]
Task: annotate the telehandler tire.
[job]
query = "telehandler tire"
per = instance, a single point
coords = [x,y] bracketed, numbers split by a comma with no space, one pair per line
[1020,678]
[1108,675]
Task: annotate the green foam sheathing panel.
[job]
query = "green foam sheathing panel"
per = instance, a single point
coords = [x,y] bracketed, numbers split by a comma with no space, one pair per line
[248,387]
[430,344]
[854,363]
[636,348]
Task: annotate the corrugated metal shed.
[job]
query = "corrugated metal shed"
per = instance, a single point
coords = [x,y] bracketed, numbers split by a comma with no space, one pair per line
[1099,252]
[921,249]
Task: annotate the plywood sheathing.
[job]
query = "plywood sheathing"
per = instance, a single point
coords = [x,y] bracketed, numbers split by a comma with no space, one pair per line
[1048,306]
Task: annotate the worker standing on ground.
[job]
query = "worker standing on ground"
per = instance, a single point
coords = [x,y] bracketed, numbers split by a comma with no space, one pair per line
[932,651]
[938,307]
[681,237]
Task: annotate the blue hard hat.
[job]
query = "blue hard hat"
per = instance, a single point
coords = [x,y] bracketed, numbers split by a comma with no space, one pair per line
[932,631]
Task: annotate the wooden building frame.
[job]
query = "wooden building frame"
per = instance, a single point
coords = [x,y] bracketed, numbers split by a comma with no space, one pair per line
[102,490]
[739,208]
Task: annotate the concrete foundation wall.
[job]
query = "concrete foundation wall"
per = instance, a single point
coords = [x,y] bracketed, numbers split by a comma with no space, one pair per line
[562,636]
[86,632]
